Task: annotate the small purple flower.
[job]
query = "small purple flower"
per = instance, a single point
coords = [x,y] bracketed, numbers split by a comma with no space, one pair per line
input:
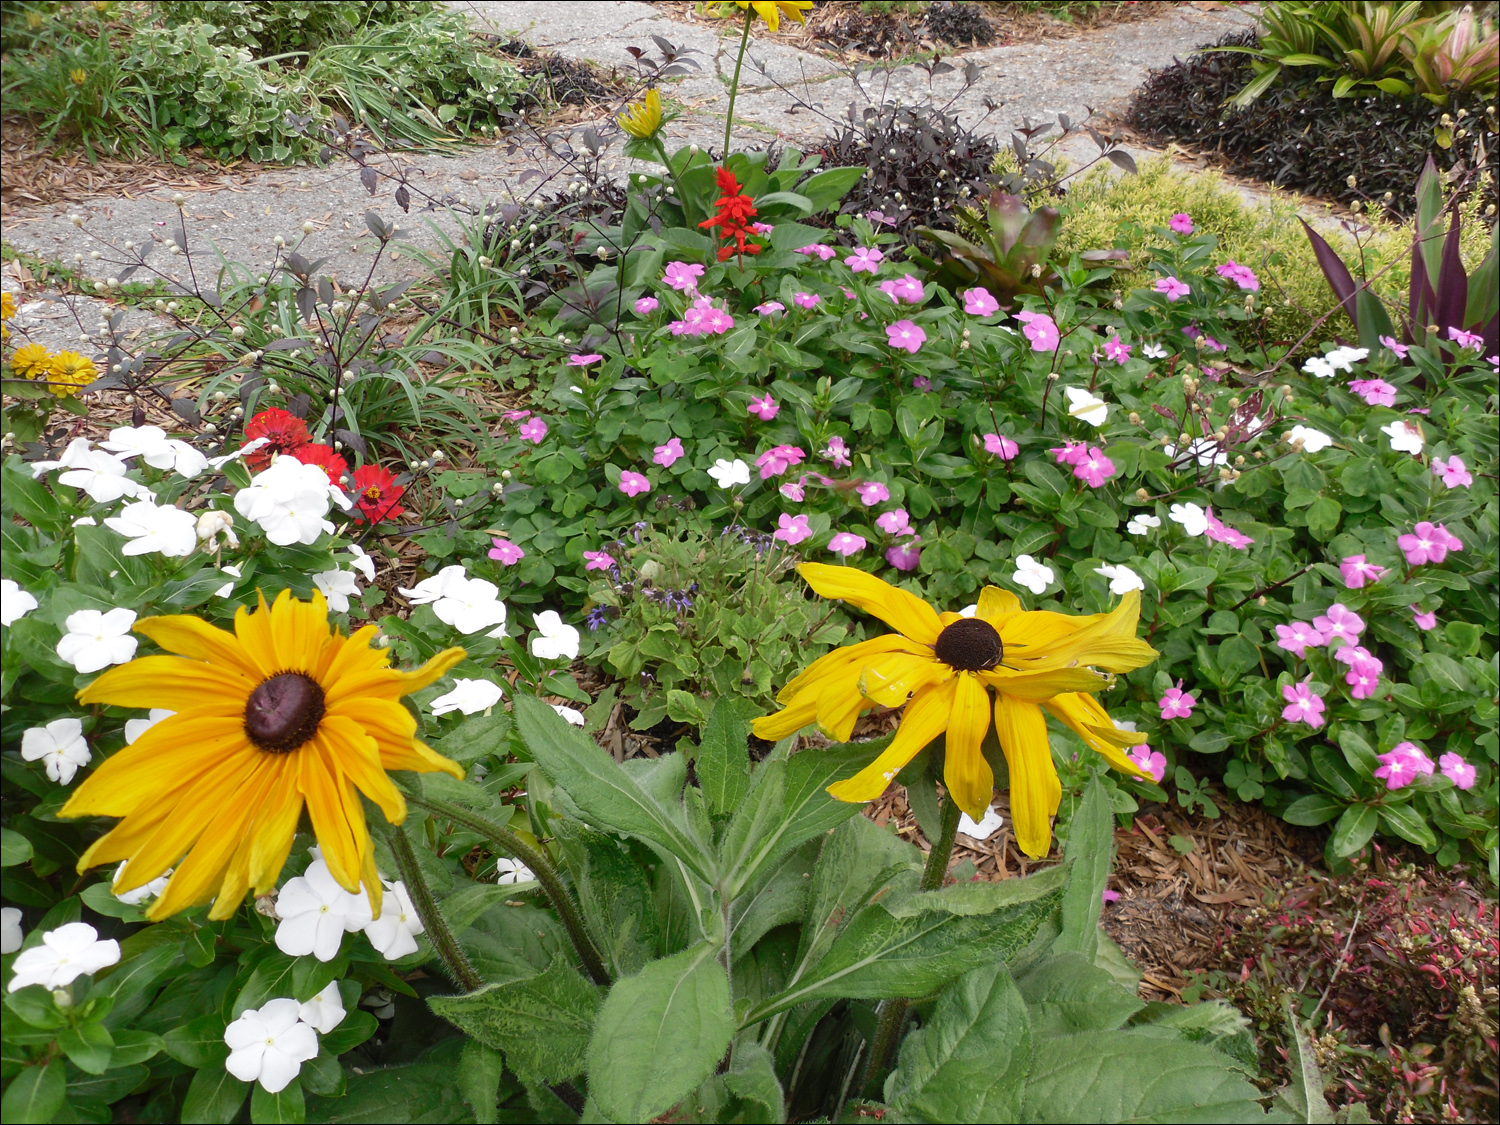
[1000,446]
[764,408]
[792,529]
[904,556]
[921,383]
[1302,705]
[533,430]
[598,560]
[1458,771]
[505,552]
[906,336]
[878,218]
[683,276]
[837,452]
[872,492]
[979,302]
[1173,288]
[1471,340]
[866,259]
[846,543]
[646,305]
[597,616]
[1181,223]
[633,484]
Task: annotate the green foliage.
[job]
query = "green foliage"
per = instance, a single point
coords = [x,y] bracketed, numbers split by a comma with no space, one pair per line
[274,27]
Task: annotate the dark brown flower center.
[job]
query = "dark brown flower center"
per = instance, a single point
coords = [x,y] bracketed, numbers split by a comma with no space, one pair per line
[970,645]
[284,712]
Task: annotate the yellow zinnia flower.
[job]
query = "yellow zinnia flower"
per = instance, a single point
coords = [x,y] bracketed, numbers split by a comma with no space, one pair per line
[282,711]
[644,118]
[68,373]
[944,667]
[7,306]
[31,361]
[772,12]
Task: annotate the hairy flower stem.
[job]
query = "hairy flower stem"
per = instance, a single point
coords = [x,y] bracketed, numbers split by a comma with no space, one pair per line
[452,954]
[541,866]
[734,85]
[893,1011]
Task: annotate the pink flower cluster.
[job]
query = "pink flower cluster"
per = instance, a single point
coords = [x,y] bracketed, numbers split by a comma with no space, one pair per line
[1428,543]
[1375,392]
[703,318]
[905,290]
[1452,472]
[818,249]
[778,459]
[1088,462]
[683,276]
[837,452]
[1243,276]
[1173,288]
[1404,763]
[1041,330]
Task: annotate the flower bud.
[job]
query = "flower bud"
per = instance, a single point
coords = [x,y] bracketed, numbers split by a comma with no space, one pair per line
[1261,601]
[1135,419]
[1142,494]
[63,998]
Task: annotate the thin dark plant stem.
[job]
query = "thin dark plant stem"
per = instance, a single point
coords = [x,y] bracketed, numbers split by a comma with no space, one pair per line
[455,960]
[734,85]
[541,866]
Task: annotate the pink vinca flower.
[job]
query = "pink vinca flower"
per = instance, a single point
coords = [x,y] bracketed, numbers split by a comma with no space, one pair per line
[683,276]
[770,307]
[1176,703]
[533,430]
[791,530]
[873,492]
[1363,677]
[906,336]
[866,259]
[806,300]
[667,455]
[778,459]
[921,383]
[762,229]
[1116,349]
[1174,289]
[584,360]
[1243,276]
[1375,392]
[1356,571]
[764,408]
[1095,468]
[1181,223]
[795,491]
[904,556]
[1041,330]
[837,452]
[1152,762]
[1000,446]
[505,552]
[1471,340]
[1298,637]
[1302,705]
[1428,542]
[846,543]
[598,560]
[1423,621]
[646,305]
[1452,472]
[817,250]
[1341,625]
[1070,452]
[905,290]
[1221,532]
[1403,764]
[633,484]
[979,302]
[1458,771]
[894,522]
[1208,342]
[1399,349]
[515,415]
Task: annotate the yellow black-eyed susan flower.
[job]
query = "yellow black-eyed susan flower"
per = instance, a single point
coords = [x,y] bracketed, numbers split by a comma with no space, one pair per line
[772,12]
[643,119]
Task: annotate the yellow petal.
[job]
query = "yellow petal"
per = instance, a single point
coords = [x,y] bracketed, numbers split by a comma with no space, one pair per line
[836,662]
[1038,686]
[891,680]
[1106,641]
[925,718]
[997,606]
[195,638]
[1084,715]
[839,708]
[161,762]
[1034,789]
[969,778]
[801,712]
[323,790]
[359,757]
[174,682]
[906,613]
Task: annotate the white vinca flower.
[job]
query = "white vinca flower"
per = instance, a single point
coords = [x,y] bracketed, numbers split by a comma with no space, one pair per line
[76,455]
[981,829]
[1142,524]
[64,955]
[1086,407]
[468,696]
[15,603]
[1312,440]
[1405,437]
[729,474]
[337,586]
[212,524]
[163,530]
[143,892]
[103,478]
[152,445]
[316,913]
[1153,350]
[394,933]
[1035,576]
[134,728]
[1194,519]
[1121,579]
[60,746]
[289,501]
[95,640]
[269,1044]
[362,562]
[513,871]
[467,604]
[325,1011]
[228,588]
[1318,366]
[248,447]
[1344,359]
[553,640]
[11,937]
[572,714]
[1207,450]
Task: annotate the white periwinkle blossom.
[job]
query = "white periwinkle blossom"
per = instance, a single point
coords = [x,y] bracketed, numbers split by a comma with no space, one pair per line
[1206,450]
[11,937]
[75,455]
[289,501]
[316,913]
[1312,440]
[95,640]
[142,893]
[1405,437]
[728,474]
[134,728]
[983,828]
[60,746]
[103,478]
[228,588]
[153,529]
[1121,579]
[553,640]
[467,604]
[1344,358]
[362,562]
[1192,517]
[1318,366]
[214,523]
[325,1011]
[15,603]
[468,696]
[1142,524]
[571,714]
[64,955]
[152,445]
[394,933]
[513,871]
[1035,576]
[1086,406]
[337,587]
[269,1045]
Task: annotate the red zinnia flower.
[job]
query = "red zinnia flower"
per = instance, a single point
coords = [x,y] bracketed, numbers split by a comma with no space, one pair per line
[376,494]
[326,459]
[735,212]
[286,431]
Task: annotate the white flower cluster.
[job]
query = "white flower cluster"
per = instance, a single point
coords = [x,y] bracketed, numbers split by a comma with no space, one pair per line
[467,604]
[290,502]
[269,1044]
[316,913]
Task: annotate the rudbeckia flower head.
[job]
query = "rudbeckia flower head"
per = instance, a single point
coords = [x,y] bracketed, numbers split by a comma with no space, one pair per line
[282,713]
[956,675]
[772,12]
[644,118]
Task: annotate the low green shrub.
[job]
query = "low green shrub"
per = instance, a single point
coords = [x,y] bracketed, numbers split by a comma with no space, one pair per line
[275,27]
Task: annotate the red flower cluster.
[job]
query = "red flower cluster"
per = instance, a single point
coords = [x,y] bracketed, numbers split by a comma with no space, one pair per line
[287,434]
[735,212]
[378,496]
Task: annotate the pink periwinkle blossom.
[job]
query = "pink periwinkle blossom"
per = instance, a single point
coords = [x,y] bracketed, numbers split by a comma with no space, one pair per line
[921,383]
[1243,276]
[1471,340]
[1181,223]
[846,543]
[633,484]
[1041,330]
[850,294]
[1108,896]
[1094,468]
[795,490]
[1302,705]
[904,556]
[1000,446]
[1116,349]
[1428,543]
[762,229]
[1220,532]
[515,415]
[1340,624]
[1208,343]
[1298,637]
[837,452]
[819,249]
[778,459]
[1357,570]
[904,290]
[1152,762]
[1423,621]
[806,300]
[1173,288]
[979,302]
[1452,472]
[1375,392]
[667,455]
[598,560]
[683,276]
[906,336]
[769,307]
[1456,770]
[505,552]
[791,530]
[877,218]
[764,408]
[1176,703]
[1399,349]
[1070,452]
[1363,681]
[533,430]
[584,360]
[866,259]
[646,305]
[894,522]
[872,492]
[1403,764]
